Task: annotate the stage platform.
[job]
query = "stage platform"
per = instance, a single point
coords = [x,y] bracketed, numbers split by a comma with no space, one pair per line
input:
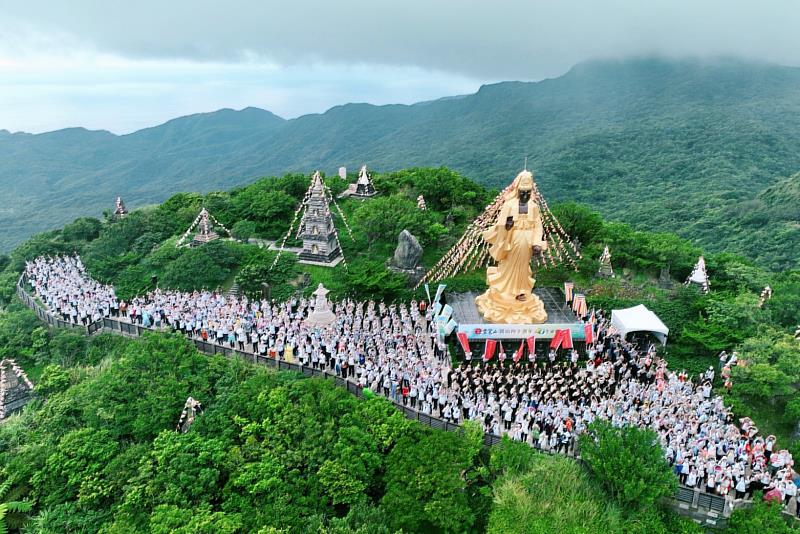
[559,317]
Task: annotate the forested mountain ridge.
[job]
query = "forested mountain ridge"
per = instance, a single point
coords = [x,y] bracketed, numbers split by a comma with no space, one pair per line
[683,146]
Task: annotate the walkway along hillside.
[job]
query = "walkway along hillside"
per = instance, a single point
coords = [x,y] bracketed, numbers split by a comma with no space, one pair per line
[706,508]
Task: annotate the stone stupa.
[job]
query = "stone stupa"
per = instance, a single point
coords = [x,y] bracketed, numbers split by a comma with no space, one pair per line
[322,314]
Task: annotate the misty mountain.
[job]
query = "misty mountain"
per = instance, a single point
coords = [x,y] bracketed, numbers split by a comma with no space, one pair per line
[683,146]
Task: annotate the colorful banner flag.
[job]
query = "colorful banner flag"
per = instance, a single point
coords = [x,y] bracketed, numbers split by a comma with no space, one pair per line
[464,341]
[567,344]
[531,340]
[428,292]
[518,354]
[588,333]
[563,338]
[447,311]
[439,291]
[488,352]
[450,326]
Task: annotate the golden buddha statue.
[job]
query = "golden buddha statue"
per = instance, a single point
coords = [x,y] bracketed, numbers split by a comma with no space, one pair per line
[514,238]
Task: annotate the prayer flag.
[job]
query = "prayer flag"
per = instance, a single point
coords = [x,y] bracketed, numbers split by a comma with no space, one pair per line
[488,352]
[568,286]
[428,292]
[531,344]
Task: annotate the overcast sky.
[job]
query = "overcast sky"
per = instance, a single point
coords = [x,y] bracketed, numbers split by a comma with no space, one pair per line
[124,65]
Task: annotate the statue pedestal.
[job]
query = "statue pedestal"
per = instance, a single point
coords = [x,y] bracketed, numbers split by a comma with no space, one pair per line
[321,318]
[500,308]
[322,314]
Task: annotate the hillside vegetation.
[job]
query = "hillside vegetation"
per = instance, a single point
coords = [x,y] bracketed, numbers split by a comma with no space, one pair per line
[686,147]
[128,253]
[275,452]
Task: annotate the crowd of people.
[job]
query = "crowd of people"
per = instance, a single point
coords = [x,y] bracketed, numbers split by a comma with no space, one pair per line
[390,349]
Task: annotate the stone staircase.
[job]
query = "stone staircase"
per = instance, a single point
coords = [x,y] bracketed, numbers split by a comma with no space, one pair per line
[235,291]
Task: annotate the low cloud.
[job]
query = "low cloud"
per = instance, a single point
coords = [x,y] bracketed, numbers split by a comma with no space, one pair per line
[512,39]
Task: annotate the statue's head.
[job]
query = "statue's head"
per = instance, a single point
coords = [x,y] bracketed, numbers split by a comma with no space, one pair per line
[525,185]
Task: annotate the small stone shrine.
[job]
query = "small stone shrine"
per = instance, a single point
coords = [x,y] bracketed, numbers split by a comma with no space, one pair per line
[15,388]
[364,187]
[605,264]
[205,232]
[120,210]
[202,230]
[664,278]
[320,241]
[191,409]
[322,314]
[699,276]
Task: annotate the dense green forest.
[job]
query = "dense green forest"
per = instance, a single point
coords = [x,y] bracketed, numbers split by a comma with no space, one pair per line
[275,452]
[707,150]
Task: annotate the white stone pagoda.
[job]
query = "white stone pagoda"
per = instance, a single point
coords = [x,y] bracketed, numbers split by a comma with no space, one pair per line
[364,187]
[699,276]
[120,210]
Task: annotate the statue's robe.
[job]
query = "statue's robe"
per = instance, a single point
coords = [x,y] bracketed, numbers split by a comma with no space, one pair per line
[513,248]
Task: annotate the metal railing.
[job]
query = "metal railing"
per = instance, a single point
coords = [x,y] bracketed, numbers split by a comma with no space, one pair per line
[695,498]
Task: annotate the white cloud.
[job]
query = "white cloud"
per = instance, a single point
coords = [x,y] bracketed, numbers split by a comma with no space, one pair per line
[121,65]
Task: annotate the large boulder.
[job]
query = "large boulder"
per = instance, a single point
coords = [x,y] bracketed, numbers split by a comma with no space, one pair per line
[408,252]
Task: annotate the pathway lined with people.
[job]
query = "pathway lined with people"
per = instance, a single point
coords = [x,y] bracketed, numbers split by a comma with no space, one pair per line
[390,349]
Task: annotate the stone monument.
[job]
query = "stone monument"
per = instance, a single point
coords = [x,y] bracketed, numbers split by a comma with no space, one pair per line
[205,232]
[699,276]
[664,278]
[407,256]
[120,210]
[364,187]
[514,238]
[322,314]
[191,409]
[15,388]
[605,264]
[320,244]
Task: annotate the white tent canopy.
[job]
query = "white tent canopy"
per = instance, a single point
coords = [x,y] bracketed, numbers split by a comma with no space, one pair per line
[639,319]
